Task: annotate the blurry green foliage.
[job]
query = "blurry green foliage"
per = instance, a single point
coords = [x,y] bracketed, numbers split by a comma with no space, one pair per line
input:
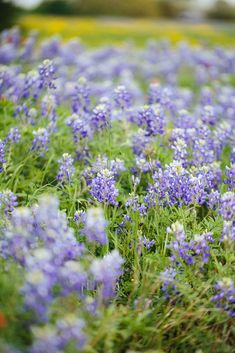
[222,10]
[131,8]
[8,13]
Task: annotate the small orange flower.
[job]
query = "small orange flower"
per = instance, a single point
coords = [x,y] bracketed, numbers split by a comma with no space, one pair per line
[3,321]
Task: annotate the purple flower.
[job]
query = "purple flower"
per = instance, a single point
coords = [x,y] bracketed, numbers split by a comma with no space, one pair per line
[2,154]
[66,170]
[95,226]
[230,174]
[150,118]
[81,97]
[228,233]
[196,250]
[227,206]
[168,282]
[225,296]
[122,97]
[40,141]
[46,72]
[106,272]
[103,187]
[79,217]
[13,135]
[8,202]
[79,127]
[53,339]
[100,118]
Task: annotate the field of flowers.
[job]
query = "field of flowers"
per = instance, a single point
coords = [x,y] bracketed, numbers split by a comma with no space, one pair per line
[100,31]
[117,180]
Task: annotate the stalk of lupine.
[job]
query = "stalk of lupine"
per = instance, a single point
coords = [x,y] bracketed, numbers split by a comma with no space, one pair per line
[66,332]
[2,154]
[230,177]
[13,135]
[41,141]
[227,206]
[8,202]
[151,119]
[122,97]
[95,226]
[66,170]
[168,287]
[106,272]
[225,296]
[81,97]
[79,126]
[103,187]
[100,118]
[228,233]
[46,72]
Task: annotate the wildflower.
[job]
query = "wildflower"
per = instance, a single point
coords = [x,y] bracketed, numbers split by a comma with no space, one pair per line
[227,206]
[168,282]
[13,135]
[225,296]
[46,72]
[106,272]
[94,227]
[122,97]
[2,154]
[150,118]
[100,117]
[8,202]
[66,170]
[103,187]
[40,141]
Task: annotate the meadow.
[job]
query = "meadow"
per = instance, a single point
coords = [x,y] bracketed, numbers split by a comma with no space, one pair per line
[117,187]
[101,31]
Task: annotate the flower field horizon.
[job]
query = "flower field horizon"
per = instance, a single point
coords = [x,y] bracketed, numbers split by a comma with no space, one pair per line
[117,187]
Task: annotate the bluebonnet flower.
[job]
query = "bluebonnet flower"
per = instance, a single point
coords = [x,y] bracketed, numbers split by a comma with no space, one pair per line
[225,296]
[144,242]
[122,225]
[100,117]
[180,151]
[8,202]
[53,339]
[2,154]
[227,206]
[66,170]
[214,199]
[230,177]
[168,287]
[46,72]
[79,126]
[228,233]
[140,143]
[103,187]
[135,205]
[196,250]
[209,115]
[13,135]
[95,226]
[40,240]
[81,97]
[122,97]
[106,272]
[151,119]
[79,217]
[40,141]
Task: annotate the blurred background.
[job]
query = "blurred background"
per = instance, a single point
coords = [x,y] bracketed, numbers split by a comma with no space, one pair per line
[112,21]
